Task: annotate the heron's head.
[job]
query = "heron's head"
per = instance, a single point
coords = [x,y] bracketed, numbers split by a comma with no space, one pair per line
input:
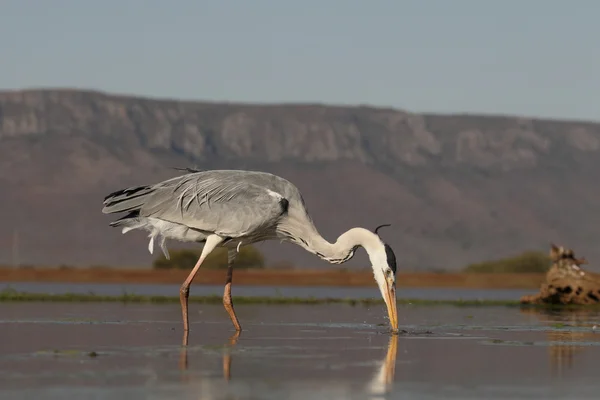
[383,262]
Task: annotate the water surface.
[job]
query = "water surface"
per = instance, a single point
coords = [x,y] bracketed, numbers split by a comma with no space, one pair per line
[132,351]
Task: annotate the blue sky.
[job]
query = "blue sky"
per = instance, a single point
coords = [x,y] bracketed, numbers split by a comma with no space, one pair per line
[528,57]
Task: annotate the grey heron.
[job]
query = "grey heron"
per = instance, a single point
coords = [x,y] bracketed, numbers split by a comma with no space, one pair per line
[233,208]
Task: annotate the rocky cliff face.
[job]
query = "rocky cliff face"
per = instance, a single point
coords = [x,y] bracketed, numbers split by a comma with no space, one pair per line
[455,188]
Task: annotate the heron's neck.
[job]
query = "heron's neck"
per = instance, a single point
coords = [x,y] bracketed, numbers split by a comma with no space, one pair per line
[343,248]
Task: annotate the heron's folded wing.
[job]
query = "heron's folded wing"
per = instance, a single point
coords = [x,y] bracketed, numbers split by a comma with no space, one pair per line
[227,206]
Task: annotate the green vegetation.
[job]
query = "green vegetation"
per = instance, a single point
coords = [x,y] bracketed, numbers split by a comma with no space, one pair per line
[14,296]
[527,262]
[10,295]
[248,257]
[560,325]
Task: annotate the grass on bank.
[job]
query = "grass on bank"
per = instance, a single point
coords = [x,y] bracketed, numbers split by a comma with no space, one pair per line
[14,296]
[526,262]
[10,295]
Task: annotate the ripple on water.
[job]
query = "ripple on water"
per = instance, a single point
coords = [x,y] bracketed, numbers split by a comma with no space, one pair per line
[542,343]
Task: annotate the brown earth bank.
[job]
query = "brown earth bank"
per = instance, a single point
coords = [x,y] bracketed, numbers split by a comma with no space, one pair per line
[270,277]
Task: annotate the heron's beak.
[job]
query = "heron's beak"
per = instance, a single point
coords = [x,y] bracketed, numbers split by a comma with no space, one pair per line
[390,302]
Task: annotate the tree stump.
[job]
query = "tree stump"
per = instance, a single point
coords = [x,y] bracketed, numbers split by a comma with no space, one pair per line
[566,282]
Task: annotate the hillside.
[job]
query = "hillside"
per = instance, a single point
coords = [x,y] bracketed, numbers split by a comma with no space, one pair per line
[456,189]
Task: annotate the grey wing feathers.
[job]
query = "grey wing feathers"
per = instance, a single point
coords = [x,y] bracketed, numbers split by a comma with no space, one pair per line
[228,203]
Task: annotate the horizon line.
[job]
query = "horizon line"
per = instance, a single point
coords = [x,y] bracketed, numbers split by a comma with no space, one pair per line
[282,103]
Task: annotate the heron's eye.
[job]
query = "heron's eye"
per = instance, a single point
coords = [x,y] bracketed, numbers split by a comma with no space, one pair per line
[388,272]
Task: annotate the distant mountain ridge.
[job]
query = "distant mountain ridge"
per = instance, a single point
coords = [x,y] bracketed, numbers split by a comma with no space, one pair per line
[456,188]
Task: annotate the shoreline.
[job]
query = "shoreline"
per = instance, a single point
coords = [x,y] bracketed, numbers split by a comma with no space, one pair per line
[12,296]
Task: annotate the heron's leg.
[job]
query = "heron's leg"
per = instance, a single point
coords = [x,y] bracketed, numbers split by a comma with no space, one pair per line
[227,302]
[184,292]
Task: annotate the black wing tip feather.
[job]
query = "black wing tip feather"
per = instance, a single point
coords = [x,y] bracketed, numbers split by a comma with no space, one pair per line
[188,169]
[133,190]
[131,215]
[129,199]
[126,192]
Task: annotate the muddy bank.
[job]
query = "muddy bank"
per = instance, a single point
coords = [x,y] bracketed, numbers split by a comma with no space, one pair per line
[566,282]
[307,277]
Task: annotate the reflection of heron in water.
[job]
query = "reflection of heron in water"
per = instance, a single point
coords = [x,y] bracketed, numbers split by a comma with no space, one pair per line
[565,343]
[383,379]
[380,384]
[183,356]
[232,208]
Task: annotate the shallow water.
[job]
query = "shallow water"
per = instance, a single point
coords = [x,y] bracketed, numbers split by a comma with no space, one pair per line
[112,289]
[116,351]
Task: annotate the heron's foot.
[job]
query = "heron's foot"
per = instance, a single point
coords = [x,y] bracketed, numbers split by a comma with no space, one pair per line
[228,304]
[232,316]
[184,341]
[234,338]
[183,359]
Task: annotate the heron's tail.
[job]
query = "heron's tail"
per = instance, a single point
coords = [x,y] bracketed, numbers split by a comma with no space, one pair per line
[129,199]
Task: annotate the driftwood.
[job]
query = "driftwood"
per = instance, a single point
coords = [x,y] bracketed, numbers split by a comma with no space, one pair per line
[566,282]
